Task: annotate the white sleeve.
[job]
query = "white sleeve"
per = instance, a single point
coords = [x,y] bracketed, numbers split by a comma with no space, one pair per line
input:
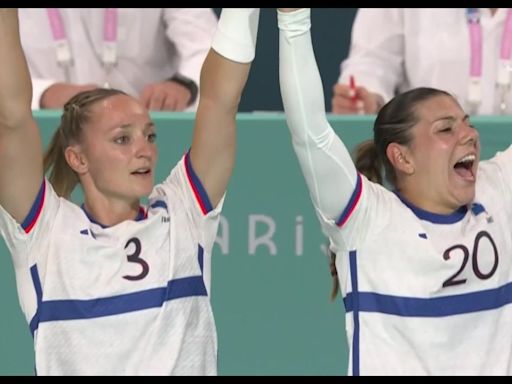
[25,240]
[236,34]
[184,185]
[376,56]
[38,87]
[184,191]
[330,174]
[191,31]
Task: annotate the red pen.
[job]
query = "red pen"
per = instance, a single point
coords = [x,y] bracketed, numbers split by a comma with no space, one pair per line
[352,86]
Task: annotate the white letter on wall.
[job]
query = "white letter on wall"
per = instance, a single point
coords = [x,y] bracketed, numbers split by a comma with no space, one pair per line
[299,236]
[266,239]
[222,238]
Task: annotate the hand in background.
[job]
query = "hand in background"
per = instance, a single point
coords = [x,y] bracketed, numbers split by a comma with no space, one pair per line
[363,102]
[165,96]
[56,95]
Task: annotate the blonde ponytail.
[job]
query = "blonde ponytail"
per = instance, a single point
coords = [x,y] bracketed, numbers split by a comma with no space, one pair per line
[59,173]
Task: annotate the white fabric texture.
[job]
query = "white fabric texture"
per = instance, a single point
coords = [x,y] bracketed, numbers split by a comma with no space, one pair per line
[236,34]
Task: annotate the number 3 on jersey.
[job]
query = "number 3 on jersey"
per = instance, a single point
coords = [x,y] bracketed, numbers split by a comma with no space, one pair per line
[134,258]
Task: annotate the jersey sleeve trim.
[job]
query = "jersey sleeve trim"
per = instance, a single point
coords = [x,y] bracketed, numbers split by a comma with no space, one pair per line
[197,187]
[351,205]
[36,209]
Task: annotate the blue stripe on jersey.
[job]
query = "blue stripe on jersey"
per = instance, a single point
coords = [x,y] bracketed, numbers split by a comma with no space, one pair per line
[159,204]
[34,273]
[355,308]
[35,209]
[351,203]
[429,307]
[141,215]
[435,218]
[477,208]
[55,310]
[198,185]
[200,257]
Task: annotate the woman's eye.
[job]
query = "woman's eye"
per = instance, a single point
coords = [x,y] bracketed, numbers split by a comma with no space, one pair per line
[152,137]
[122,140]
[447,129]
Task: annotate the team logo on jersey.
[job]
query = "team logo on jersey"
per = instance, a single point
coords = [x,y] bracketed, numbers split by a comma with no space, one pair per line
[478,208]
[160,204]
[86,232]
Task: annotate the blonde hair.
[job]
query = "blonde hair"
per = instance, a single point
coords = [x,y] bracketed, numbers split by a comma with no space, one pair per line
[77,112]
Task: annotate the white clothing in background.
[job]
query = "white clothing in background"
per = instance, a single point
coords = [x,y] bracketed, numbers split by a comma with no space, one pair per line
[153,45]
[403,48]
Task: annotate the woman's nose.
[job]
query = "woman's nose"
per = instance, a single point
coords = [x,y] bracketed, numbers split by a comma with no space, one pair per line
[469,134]
[144,147]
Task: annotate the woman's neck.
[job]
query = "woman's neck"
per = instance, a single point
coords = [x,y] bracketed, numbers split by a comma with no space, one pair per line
[415,198]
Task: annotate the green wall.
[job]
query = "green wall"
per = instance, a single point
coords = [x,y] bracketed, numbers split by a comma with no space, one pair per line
[271,303]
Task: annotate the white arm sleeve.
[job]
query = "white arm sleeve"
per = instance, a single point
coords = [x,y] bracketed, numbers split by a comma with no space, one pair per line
[235,37]
[38,88]
[326,164]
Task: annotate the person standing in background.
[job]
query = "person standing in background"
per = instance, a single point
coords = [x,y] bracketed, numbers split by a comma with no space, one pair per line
[464,51]
[154,54]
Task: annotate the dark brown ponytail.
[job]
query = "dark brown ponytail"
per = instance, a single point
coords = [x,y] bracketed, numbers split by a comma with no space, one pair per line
[368,162]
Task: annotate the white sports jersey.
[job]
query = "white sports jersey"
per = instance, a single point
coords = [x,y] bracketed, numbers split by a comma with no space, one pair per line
[131,299]
[424,293]
[427,293]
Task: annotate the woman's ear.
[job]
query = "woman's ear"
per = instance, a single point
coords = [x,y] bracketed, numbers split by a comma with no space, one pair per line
[400,157]
[76,159]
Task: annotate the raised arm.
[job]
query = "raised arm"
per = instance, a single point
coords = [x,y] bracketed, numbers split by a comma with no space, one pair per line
[223,77]
[328,169]
[21,159]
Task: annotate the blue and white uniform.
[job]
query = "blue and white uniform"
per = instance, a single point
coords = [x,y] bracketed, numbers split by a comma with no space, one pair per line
[423,293]
[129,299]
